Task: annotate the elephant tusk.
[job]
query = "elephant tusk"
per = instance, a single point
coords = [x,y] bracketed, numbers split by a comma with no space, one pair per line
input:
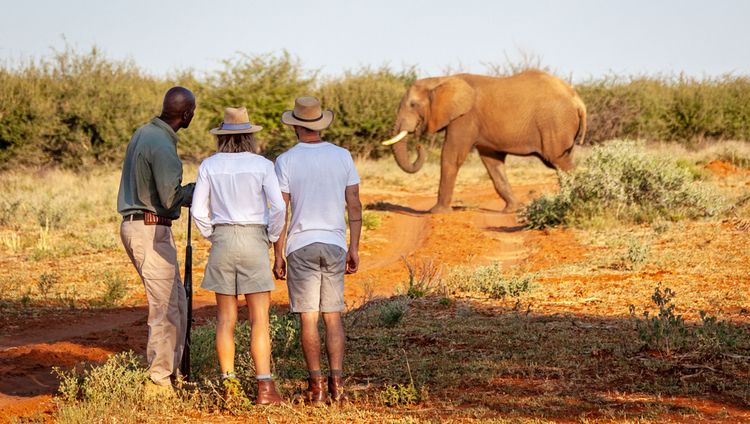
[395,139]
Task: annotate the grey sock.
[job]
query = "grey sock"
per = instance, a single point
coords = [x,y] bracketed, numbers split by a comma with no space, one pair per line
[228,374]
[337,373]
[264,377]
[314,373]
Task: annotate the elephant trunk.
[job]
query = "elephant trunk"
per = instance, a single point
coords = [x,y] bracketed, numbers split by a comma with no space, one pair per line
[401,154]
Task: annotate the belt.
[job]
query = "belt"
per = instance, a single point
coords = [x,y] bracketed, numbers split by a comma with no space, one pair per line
[148,218]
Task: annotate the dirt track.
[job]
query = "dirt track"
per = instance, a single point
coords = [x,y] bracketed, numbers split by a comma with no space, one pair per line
[479,233]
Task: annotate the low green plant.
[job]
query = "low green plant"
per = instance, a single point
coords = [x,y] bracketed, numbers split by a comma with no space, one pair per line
[622,181]
[636,254]
[399,395]
[119,381]
[371,221]
[391,312]
[664,331]
[490,281]
[46,282]
[425,278]
[115,290]
[667,332]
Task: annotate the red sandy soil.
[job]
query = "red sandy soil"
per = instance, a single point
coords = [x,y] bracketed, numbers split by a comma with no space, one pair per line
[477,233]
[722,168]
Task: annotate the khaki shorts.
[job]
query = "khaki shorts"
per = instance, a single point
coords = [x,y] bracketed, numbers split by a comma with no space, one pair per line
[239,262]
[316,278]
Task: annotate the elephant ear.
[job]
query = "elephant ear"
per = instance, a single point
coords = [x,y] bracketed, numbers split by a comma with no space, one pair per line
[450,99]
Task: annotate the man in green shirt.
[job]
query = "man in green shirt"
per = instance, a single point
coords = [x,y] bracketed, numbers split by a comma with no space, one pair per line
[150,197]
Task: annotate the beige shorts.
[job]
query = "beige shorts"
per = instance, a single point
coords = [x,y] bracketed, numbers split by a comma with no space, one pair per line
[315,278]
[239,262]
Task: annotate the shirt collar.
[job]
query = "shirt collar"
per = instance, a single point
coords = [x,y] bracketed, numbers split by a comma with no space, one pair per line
[163,125]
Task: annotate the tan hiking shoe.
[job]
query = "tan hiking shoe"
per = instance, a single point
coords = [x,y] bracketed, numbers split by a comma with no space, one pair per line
[153,391]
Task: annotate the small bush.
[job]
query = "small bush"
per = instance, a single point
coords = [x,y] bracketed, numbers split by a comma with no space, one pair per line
[115,290]
[401,395]
[424,278]
[371,221]
[46,282]
[391,312]
[636,255]
[668,333]
[624,182]
[119,379]
[490,281]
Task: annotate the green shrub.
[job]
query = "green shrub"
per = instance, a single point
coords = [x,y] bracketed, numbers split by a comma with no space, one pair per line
[391,312]
[667,332]
[621,180]
[401,395]
[425,278]
[489,280]
[78,108]
[371,220]
[91,395]
[115,290]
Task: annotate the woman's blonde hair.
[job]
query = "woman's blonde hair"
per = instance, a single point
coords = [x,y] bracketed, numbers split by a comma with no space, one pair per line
[236,143]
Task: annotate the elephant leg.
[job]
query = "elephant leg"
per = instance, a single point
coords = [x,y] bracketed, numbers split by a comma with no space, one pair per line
[455,151]
[564,163]
[495,164]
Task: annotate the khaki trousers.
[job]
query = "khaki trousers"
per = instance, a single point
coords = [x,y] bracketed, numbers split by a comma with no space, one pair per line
[152,250]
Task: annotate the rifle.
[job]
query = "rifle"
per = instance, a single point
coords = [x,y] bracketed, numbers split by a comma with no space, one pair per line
[188,280]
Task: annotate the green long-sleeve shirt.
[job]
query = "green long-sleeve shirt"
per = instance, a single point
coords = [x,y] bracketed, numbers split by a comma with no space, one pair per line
[152,173]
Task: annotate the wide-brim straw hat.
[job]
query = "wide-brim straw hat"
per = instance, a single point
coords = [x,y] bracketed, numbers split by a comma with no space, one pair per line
[236,121]
[308,113]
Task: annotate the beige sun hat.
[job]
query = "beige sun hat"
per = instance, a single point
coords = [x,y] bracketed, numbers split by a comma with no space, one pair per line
[236,121]
[308,113]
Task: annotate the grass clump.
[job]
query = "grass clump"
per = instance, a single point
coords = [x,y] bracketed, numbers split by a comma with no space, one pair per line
[622,181]
[490,281]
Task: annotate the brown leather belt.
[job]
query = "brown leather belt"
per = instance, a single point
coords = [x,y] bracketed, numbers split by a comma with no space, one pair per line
[149,218]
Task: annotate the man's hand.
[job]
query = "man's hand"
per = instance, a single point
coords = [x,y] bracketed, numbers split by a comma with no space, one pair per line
[352,261]
[279,268]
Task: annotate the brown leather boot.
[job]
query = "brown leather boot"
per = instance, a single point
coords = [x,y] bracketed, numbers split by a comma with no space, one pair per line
[316,393]
[336,389]
[267,394]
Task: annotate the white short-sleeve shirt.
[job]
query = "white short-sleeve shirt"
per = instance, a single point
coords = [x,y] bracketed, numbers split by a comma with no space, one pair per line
[316,176]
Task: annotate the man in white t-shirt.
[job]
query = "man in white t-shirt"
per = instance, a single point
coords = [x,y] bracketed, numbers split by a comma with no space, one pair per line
[319,180]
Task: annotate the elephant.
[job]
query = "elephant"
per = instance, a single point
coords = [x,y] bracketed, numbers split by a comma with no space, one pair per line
[530,113]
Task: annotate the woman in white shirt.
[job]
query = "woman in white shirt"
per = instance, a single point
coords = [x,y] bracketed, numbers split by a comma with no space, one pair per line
[231,208]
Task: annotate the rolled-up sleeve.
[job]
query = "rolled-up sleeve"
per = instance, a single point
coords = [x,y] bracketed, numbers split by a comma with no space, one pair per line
[201,207]
[277,206]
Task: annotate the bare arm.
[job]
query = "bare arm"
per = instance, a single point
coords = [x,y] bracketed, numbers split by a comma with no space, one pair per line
[354,209]
[279,263]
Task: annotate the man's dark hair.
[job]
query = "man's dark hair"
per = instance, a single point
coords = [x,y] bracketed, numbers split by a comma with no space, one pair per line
[177,101]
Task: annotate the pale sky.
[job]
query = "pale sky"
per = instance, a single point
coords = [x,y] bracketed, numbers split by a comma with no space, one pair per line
[582,38]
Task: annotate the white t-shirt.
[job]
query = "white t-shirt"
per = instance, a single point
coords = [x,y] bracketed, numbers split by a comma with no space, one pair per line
[316,176]
[237,188]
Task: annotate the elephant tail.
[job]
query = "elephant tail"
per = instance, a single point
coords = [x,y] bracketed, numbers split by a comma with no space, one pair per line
[581,133]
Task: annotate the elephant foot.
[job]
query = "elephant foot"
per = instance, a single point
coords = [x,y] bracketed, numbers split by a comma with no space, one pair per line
[441,209]
[511,208]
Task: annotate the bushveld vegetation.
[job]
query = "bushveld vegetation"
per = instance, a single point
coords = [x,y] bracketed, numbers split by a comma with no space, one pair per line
[76,109]
[623,181]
